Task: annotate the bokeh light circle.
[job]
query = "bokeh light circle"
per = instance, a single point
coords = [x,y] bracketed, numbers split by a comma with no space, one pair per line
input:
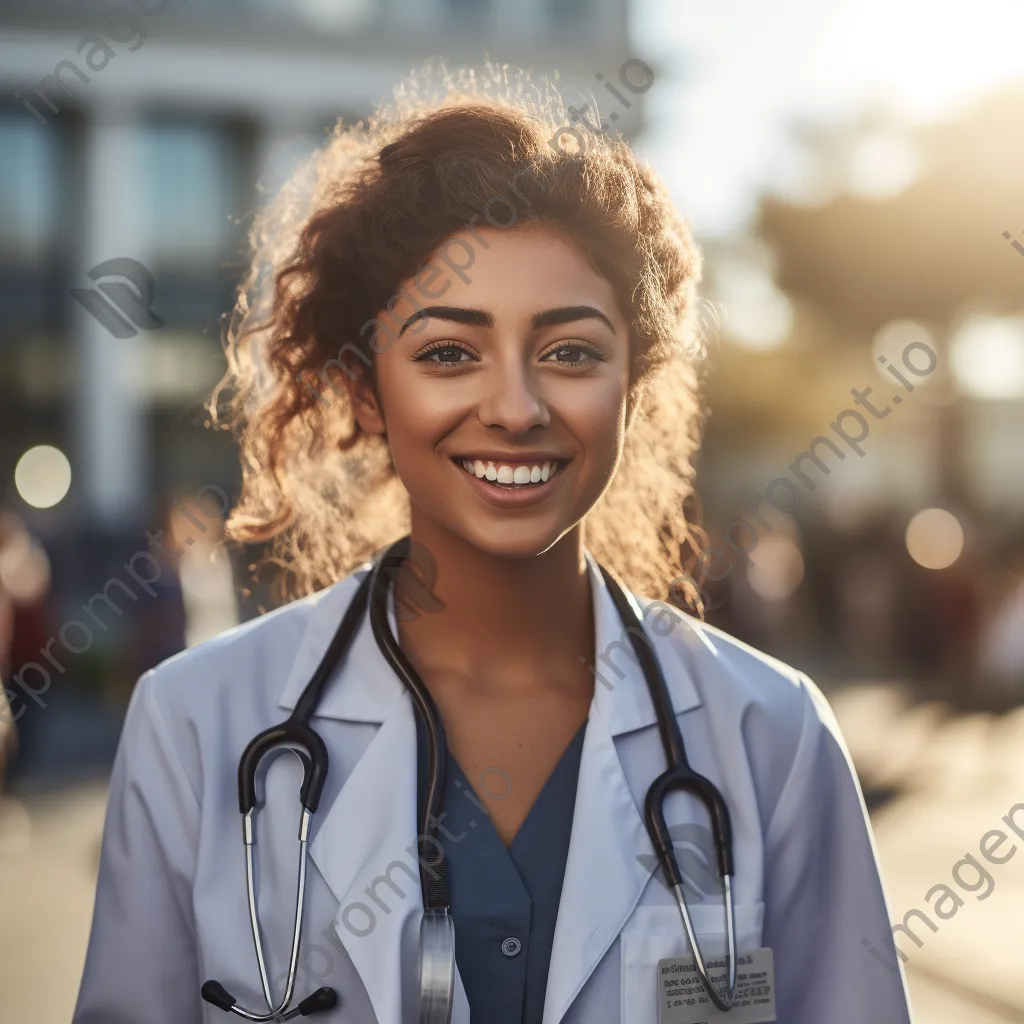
[778,569]
[893,340]
[42,476]
[935,538]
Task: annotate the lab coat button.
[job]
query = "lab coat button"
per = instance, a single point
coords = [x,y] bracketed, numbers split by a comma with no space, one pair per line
[511,946]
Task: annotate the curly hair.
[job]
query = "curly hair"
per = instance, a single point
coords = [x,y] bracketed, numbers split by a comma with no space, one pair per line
[365,216]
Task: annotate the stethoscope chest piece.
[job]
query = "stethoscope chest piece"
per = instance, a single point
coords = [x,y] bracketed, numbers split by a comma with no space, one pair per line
[436,966]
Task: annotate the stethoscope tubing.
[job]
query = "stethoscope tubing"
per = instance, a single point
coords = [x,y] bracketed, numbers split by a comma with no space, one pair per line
[679,776]
[434,883]
[436,962]
[295,734]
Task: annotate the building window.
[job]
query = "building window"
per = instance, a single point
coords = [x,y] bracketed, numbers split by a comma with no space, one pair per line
[568,12]
[469,10]
[28,189]
[190,179]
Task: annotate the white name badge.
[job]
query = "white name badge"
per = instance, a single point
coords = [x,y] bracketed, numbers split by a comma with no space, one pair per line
[682,998]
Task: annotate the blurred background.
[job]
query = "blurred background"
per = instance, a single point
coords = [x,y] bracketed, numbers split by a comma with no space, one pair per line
[853,173]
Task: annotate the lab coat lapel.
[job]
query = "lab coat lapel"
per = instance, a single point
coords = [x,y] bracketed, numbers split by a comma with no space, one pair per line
[610,855]
[362,851]
[605,872]
[366,851]
[365,844]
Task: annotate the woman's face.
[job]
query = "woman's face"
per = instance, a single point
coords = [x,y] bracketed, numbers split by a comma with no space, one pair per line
[504,397]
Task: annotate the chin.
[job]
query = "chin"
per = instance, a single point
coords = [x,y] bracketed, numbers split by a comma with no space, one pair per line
[513,540]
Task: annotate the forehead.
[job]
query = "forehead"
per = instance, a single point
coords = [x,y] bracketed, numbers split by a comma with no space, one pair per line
[517,271]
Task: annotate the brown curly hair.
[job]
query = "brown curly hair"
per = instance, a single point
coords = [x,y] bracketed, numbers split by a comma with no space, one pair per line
[361,219]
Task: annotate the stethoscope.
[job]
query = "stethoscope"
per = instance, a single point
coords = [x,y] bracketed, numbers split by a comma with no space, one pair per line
[436,962]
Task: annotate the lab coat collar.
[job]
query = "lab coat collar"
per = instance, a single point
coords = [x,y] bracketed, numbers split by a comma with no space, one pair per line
[365,844]
[365,689]
[621,697]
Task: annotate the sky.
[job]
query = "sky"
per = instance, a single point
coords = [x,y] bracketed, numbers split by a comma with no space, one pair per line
[733,74]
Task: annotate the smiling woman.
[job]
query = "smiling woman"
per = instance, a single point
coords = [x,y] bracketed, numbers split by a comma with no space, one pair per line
[391,222]
[529,367]
[529,426]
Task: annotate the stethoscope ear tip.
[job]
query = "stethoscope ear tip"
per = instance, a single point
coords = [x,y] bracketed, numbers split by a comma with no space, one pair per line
[214,992]
[322,999]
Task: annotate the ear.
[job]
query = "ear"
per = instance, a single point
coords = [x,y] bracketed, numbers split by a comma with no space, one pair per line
[366,405]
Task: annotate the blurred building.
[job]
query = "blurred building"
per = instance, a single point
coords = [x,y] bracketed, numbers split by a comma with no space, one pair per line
[136,141]
[145,131]
[869,388]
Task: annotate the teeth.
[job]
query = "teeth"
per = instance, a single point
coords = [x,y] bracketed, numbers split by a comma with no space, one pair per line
[520,476]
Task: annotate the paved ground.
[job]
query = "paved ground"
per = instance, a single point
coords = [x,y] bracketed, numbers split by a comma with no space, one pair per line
[48,859]
[950,780]
[956,776]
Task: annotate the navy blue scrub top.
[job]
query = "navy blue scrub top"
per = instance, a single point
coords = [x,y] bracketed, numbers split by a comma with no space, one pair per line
[504,901]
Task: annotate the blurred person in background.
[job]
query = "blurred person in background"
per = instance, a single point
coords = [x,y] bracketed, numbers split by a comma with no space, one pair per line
[156,622]
[941,621]
[8,730]
[193,586]
[205,572]
[24,586]
[866,593]
[959,609]
[1001,655]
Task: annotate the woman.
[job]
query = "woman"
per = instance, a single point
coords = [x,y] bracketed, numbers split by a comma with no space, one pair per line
[481,334]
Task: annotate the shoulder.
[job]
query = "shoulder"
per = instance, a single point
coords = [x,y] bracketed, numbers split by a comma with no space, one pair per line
[784,721]
[244,667]
[727,671]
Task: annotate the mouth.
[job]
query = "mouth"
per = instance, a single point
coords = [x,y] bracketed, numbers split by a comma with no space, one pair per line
[512,483]
[511,476]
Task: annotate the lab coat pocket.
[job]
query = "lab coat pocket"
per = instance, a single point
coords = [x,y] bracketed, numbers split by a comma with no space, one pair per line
[654,933]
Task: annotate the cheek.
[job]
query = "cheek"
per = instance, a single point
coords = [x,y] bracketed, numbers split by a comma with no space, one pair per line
[596,417]
[418,412]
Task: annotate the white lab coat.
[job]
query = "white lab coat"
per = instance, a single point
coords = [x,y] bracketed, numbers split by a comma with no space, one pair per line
[171,906]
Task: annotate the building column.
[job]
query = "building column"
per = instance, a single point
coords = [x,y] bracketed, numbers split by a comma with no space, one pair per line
[111,435]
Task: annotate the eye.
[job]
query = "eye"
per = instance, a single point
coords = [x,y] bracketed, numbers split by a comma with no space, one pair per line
[574,354]
[445,354]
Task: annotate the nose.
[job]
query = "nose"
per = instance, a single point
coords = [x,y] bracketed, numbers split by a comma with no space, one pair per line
[513,400]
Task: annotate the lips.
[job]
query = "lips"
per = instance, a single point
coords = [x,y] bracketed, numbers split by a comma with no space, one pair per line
[508,473]
[502,491]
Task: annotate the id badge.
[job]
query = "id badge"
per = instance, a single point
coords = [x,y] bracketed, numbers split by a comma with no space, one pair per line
[682,998]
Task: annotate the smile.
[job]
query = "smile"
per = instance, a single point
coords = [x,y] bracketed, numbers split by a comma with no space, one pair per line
[512,475]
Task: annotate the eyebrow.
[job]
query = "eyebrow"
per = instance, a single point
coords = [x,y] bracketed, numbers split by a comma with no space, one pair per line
[481,318]
[457,314]
[567,314]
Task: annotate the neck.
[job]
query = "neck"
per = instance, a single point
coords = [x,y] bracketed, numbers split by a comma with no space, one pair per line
[514,621]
